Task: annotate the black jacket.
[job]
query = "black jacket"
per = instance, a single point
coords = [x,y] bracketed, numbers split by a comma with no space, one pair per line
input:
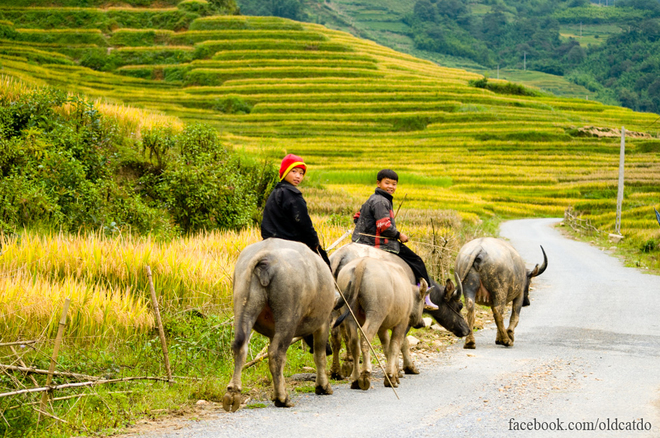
[286,216]
[375,223]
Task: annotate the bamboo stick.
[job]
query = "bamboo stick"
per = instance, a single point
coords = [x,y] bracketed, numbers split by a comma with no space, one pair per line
[56,350]
[20,360]
[49,415]
[264,352]
[30,370]
[161,332]
[7,344]
[68,397]
[78,385]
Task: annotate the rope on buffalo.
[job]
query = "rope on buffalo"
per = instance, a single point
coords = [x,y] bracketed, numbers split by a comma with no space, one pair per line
[371,347]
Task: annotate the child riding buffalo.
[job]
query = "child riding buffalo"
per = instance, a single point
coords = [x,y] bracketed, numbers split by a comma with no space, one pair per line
[285,214]
[374,226]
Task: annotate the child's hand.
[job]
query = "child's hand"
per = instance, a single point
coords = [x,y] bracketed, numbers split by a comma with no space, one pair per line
[403,238]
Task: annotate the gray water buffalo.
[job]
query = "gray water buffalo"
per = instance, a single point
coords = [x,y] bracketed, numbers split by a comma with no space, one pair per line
[448,300]
[490,272]
[445,297]
[382,299]
[282,290]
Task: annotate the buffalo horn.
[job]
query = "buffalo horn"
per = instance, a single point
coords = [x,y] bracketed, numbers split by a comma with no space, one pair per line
[459,285]
[540,270]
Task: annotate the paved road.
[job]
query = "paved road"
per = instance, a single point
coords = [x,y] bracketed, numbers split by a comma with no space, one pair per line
[587,352]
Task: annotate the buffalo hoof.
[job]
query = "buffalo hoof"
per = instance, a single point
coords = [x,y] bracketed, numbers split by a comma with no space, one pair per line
[283,404]
[323,391]
[364,381]
[355,384]
[412,369]
[470,345]
[507,343]
[334,375]
[231,401]
[394,381]
[510,333]
[346,368]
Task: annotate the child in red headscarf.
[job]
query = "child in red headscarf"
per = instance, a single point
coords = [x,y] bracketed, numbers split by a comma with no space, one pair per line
[285,214]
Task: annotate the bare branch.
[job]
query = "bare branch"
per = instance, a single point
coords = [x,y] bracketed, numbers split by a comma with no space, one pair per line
[79,384]
[38,371]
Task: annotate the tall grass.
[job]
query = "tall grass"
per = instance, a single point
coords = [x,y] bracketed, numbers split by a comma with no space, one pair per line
[105,278]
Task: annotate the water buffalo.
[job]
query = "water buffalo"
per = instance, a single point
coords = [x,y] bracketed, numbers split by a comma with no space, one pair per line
[446,298]
[382,299]
[490,272]
[282,290]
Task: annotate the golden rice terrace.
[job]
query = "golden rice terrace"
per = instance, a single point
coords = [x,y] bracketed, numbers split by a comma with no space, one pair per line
[350,107]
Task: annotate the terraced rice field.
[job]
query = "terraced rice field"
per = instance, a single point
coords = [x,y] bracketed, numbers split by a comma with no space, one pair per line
[349,106]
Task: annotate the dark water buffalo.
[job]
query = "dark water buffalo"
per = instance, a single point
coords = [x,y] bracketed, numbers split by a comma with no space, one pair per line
[382,299]
[490,272]
[446,298]
[282,290]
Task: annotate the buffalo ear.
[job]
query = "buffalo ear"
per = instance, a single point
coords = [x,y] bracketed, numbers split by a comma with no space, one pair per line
[423,288]
[449,289]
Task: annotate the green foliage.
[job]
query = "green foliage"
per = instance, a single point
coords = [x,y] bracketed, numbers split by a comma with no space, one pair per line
[105,20]
[69,171]
[650,246]
[279,8]
[233,105]
[501,87]
[140,38]
[626,67]
[208,187]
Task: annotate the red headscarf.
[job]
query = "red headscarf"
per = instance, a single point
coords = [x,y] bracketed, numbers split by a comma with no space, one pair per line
[290,162]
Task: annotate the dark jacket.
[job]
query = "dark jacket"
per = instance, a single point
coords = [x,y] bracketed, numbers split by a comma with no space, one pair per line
[376,218]
[286,216]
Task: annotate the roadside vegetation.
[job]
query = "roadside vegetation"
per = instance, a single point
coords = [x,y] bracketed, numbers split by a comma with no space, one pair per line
[134,138]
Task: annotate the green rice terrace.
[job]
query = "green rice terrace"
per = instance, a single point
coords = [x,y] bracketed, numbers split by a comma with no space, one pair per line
[350,107]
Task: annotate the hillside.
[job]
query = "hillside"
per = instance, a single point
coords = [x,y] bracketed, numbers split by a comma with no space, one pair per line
[579,48]
[349,106]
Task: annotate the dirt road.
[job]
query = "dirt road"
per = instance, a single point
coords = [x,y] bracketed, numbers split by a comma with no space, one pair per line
[586,357]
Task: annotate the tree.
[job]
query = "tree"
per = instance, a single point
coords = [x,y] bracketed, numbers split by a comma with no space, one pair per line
[424,10]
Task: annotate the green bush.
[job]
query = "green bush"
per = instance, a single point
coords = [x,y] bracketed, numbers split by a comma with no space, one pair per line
[63,37]
[140,38]
[71,170]
[232,105]
[87,18]
[501,87]
[149,55]
[211,188]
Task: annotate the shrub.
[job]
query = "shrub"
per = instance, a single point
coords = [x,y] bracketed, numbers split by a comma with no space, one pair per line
[232,105]
[64,165]
[502,87]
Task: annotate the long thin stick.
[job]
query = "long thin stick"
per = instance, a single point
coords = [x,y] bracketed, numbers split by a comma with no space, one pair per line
[336,242]
[20,360]
[364,337]
[50,415]
[161,332]
[56,350]
[68,397]
[264,353]
[7,344]
[402,201]
[78,385]
[30,370]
